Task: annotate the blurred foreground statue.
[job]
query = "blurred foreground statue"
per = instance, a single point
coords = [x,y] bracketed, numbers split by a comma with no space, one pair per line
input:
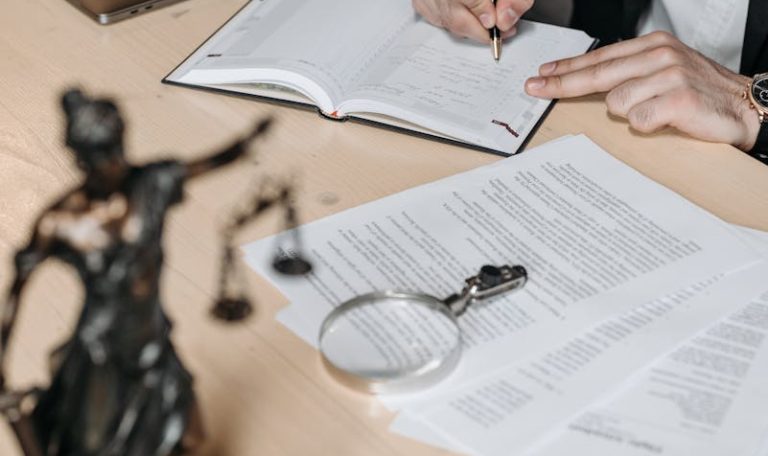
[117,386]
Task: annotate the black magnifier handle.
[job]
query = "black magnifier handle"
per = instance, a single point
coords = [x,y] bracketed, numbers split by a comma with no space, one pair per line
[490,281]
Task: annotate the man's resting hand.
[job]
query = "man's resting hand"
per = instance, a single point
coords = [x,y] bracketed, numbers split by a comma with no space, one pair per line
[655,81]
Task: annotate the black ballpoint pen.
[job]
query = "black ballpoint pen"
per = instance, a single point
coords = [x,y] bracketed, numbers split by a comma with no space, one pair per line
[495,39]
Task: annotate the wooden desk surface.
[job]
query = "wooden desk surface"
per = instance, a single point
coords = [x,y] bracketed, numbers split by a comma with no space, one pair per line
[261,389]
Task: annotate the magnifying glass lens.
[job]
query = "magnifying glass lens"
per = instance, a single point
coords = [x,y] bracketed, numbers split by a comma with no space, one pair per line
[391,338]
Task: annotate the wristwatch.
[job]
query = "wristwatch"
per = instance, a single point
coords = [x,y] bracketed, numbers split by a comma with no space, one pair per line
[757,94]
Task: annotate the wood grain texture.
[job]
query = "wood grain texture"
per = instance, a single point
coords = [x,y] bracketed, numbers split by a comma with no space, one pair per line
[261,389]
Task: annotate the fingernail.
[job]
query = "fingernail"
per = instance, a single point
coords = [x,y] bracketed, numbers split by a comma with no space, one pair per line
[536,83]
[508,18]
[547,68]
[486,20]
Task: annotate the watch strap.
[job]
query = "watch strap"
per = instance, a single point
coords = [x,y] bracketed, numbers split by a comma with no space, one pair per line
[760,149]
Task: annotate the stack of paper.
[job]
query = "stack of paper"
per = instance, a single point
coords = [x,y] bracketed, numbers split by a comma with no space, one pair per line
[640,330]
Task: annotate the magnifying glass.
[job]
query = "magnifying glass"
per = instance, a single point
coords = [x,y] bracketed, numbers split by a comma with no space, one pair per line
[397,342]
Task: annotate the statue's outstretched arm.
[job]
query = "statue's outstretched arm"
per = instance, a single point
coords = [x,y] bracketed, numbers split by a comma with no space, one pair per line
[228,155]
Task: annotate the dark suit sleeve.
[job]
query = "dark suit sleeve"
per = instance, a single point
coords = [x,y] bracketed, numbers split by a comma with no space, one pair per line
[608,20]
[754,55]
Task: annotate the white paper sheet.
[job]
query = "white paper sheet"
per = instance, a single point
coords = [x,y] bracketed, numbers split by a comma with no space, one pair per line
[708,398]
[597,238]
[628,421]
[506,412]
[682,406]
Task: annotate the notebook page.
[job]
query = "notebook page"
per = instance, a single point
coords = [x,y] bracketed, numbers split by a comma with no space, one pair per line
[313,46]
[454,86]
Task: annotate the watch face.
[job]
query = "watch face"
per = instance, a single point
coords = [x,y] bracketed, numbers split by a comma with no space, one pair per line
[760,90]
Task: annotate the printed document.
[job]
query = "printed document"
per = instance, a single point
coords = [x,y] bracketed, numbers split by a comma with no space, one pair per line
[509,411]
[706,397]
[598,240]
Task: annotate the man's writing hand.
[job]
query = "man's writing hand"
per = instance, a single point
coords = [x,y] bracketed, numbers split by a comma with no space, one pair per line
[655,81]
[473,18]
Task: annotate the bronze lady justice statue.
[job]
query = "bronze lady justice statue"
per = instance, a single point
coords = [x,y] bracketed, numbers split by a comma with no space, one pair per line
[118,387]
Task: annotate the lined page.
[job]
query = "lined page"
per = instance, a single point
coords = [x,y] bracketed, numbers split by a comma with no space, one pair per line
[315,46]
[380,61]
[454,86]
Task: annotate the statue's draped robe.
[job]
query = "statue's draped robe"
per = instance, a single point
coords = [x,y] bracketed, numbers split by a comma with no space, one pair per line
[118,387]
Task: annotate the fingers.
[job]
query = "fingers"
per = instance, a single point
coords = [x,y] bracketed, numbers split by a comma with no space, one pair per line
[603,76]
[614,51]
[626,96]
[463,23]
[473,18]
[509,33]
[699,113]
[703,115]
[464,18]
[509,12]
[483,10]
[675,108]
[656,82]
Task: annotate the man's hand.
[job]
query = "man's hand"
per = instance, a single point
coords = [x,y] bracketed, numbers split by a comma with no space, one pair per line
[655,81]
[473,18]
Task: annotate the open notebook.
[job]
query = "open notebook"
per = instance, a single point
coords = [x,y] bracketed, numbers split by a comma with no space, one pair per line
[377,61]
